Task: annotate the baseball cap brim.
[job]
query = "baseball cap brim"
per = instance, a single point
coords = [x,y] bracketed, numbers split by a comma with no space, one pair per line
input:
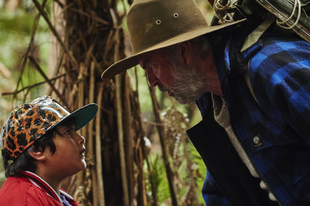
[82,116]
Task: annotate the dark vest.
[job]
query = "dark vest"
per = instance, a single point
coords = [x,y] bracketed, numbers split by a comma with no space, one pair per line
[224,164]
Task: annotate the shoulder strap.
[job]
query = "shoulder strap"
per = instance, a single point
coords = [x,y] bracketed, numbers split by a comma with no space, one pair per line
[247,80]
[251,39]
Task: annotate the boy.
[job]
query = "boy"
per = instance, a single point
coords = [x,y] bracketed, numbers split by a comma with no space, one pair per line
[40,147]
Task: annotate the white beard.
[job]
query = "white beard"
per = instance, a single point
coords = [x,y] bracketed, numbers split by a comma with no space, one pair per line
[187,85]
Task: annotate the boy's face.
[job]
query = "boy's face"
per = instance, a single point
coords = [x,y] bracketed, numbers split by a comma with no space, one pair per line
[69,157]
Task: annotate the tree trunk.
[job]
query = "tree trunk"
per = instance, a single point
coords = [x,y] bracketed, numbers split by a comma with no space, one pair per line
[94,37]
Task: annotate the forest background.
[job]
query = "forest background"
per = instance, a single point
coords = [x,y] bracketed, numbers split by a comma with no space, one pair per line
[151,162]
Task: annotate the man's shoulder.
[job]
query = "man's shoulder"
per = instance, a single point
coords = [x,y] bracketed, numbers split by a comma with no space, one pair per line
[277,52]
[276,44]
[279,61]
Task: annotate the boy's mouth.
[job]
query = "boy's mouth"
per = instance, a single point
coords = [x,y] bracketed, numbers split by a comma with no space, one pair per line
[82,152]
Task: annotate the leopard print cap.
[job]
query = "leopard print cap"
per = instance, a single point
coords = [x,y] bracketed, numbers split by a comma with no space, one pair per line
[28,123]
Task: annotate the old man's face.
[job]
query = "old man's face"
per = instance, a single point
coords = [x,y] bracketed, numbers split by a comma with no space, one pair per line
[170,74]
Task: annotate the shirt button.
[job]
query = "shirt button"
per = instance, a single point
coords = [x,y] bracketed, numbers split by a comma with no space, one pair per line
[256,140]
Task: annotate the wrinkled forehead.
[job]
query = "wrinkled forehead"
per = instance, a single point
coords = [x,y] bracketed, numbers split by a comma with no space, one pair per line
[144,60]
[152,57]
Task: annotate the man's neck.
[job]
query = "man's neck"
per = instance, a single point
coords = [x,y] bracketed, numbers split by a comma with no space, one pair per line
[212,83]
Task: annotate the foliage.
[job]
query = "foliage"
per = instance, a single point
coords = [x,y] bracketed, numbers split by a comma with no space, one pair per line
[160,179]
[16,32]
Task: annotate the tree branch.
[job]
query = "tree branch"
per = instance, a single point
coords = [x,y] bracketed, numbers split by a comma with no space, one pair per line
[52,28]
[33,85]
[38,68]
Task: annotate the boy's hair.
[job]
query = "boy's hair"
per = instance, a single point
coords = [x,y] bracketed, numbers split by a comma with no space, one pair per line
[25,162]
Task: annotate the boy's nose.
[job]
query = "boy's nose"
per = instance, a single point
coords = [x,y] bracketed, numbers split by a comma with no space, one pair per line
[81,139]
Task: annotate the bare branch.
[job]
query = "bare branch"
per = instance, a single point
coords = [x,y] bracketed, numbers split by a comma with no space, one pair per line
[35,26]
[95,18]
[163,145]
[52,28]
[98,148]
[33,85]
[59,3]
[38,68]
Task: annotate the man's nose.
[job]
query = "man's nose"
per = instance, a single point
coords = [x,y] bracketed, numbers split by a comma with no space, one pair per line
[151,79]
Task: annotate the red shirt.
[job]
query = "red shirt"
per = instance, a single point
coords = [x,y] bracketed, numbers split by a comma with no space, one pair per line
[31,190]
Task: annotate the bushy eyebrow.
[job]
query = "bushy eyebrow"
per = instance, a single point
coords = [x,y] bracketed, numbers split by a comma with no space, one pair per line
[144,63]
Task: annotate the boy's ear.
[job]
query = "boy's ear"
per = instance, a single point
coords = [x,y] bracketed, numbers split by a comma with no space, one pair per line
[37,155]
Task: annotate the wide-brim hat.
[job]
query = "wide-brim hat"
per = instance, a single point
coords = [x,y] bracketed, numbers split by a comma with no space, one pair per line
[155,24]
[30,121]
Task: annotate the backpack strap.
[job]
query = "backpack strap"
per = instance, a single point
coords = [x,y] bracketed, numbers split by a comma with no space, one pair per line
[247,81]
[251,39]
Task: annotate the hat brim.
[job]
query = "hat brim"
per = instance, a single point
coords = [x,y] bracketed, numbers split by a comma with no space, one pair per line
[131,61]
[82,116]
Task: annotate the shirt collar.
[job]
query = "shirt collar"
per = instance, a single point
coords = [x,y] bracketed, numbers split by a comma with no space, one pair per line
[40,183]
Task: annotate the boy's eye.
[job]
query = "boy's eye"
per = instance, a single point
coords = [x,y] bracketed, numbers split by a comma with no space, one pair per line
[69,131]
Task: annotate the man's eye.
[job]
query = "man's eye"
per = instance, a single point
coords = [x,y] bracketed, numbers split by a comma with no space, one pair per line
[148,67]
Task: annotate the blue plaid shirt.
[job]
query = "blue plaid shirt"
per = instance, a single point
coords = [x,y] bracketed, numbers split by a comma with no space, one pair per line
[275,132]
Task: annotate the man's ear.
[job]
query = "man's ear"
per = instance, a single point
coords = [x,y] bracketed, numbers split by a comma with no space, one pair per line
[186,48]
[38,155]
